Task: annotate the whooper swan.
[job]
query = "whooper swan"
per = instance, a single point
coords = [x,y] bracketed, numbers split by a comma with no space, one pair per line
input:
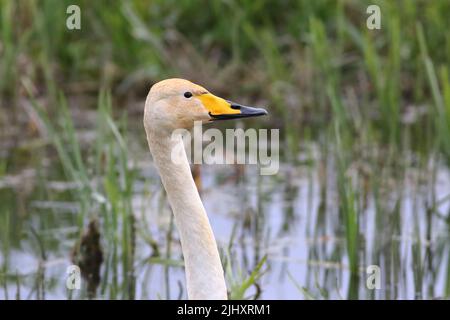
[173,104]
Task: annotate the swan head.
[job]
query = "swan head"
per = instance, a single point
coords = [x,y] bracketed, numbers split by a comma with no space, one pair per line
[177,103]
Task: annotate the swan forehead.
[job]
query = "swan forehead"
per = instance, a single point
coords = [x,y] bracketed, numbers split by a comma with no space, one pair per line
[172,87]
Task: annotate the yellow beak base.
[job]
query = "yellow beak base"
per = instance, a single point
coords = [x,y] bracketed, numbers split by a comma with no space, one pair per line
[216,105]
[221,109]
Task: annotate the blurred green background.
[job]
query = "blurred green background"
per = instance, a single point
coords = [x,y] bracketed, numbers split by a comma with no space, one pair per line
[364,119]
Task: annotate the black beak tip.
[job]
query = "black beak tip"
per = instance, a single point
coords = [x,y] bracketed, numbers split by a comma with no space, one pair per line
[253,112]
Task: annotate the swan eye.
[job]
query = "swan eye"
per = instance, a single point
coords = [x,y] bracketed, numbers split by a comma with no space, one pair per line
[188,94]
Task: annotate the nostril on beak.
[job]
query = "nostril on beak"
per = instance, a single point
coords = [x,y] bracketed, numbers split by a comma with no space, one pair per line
[234,105]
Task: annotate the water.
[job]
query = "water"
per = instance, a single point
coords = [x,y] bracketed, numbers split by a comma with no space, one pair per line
[279,216]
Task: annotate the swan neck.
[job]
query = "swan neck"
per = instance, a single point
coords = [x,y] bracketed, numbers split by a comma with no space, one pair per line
[204,272]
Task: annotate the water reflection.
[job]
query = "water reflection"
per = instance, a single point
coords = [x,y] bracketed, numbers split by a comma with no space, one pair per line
[292,217]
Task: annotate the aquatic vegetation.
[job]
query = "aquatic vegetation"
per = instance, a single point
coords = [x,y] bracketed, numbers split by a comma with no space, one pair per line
[364,119]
